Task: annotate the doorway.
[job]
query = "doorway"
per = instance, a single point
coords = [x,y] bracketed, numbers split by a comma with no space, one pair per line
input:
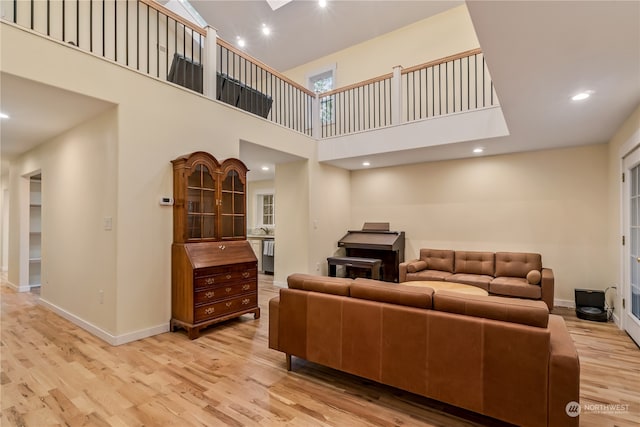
[35,232]
[630,310]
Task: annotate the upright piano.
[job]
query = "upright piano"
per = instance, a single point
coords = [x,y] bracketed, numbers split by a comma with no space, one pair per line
[376,241]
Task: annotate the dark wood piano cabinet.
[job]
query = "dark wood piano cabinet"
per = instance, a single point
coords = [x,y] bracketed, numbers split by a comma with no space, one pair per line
[376,241]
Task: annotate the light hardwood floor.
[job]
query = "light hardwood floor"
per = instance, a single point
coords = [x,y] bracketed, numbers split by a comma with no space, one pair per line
[54,373]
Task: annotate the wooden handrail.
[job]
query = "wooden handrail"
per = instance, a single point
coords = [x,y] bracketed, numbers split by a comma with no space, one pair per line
[160,8]
[264,66]
[442,60]
[355,85]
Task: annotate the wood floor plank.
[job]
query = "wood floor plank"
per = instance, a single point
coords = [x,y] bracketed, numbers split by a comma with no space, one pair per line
[53,373]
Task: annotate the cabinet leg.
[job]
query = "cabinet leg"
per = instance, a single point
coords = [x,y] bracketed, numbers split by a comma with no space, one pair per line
[193,333]
[256,313]
[288,362]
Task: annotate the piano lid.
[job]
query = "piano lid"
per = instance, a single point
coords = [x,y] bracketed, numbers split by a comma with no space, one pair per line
[373,236]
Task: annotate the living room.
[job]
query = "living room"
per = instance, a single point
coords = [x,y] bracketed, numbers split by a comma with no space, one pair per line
[564,203]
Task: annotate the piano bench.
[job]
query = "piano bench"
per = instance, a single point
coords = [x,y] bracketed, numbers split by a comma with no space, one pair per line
[372,264]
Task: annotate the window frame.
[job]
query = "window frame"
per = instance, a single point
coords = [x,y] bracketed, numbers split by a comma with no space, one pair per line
[318,74]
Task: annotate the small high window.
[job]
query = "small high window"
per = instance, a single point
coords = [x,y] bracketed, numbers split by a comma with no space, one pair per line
[323,82]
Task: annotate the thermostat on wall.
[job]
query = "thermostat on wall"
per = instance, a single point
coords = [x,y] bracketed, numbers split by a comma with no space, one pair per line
[166,201]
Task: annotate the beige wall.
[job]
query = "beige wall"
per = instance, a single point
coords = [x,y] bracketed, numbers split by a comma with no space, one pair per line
[78,191]
[626,138]
[157,122]
[441,35]
[551,202]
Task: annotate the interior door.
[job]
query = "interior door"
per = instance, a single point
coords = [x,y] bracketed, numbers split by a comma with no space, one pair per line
[631,211]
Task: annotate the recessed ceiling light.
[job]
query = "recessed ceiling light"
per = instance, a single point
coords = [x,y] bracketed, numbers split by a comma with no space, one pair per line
[266,30]
[366,164]
[4,116]
[322,3]
[478,150]
[580,96]
[265,168]
[241,41]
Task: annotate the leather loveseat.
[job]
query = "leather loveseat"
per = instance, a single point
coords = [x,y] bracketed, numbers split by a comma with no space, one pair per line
[502,357]
[509,274]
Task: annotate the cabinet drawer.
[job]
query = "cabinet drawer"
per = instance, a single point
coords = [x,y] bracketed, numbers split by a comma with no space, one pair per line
[226,277]
[223,269]
[221,308]
[209,295]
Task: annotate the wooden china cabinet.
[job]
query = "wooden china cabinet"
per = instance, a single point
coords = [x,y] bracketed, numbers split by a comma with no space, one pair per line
[214,271]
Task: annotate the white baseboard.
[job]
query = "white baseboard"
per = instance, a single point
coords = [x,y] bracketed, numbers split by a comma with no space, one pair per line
[25,288]
[616,320]
[564,303]
[113,340]
[280,284]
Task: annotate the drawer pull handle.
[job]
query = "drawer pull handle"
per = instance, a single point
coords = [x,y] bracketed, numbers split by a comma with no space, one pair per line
[228,276]
[210,294]
[228,304]
[222,247]
[227,289]
[210,280]
[245,301]
[209,310]
[246,287]
[245,274]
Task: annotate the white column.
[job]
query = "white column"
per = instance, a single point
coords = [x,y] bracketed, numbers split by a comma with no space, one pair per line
[209,83]
[315,113]
[396,95]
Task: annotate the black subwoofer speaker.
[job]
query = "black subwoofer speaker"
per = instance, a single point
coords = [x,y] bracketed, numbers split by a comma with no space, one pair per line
[590,305]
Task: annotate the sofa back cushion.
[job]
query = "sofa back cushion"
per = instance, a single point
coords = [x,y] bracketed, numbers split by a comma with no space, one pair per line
[524,312]
[411,296]
[326,285]
[517,264]
[469,262]
[438,259]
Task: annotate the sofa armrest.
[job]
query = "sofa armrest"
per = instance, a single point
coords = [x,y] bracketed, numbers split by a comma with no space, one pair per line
[564,374]
[547,283]
[403,270]
[274,319]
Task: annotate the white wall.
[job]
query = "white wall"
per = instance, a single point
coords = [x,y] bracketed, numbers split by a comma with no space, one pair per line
[552,202]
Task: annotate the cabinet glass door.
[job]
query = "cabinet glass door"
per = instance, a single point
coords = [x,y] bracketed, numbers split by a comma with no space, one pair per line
[201,204]
[233,222]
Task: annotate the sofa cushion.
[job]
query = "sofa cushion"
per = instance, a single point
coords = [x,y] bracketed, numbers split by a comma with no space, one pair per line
[525,312]
[438,259]
[479,280]
[533,277]
[327,285]
[475,262]
[416,266]
[374,290]
[517,264]
[426,275]
[515,287]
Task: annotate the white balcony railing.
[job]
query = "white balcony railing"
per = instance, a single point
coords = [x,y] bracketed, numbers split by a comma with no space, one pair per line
[145,36]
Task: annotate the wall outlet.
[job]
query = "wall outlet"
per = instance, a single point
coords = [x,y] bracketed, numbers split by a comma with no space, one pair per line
[108,223]
[101,296]
[317,266]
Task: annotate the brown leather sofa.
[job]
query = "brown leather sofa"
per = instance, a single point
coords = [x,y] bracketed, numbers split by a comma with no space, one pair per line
[509,274]
[502,357]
